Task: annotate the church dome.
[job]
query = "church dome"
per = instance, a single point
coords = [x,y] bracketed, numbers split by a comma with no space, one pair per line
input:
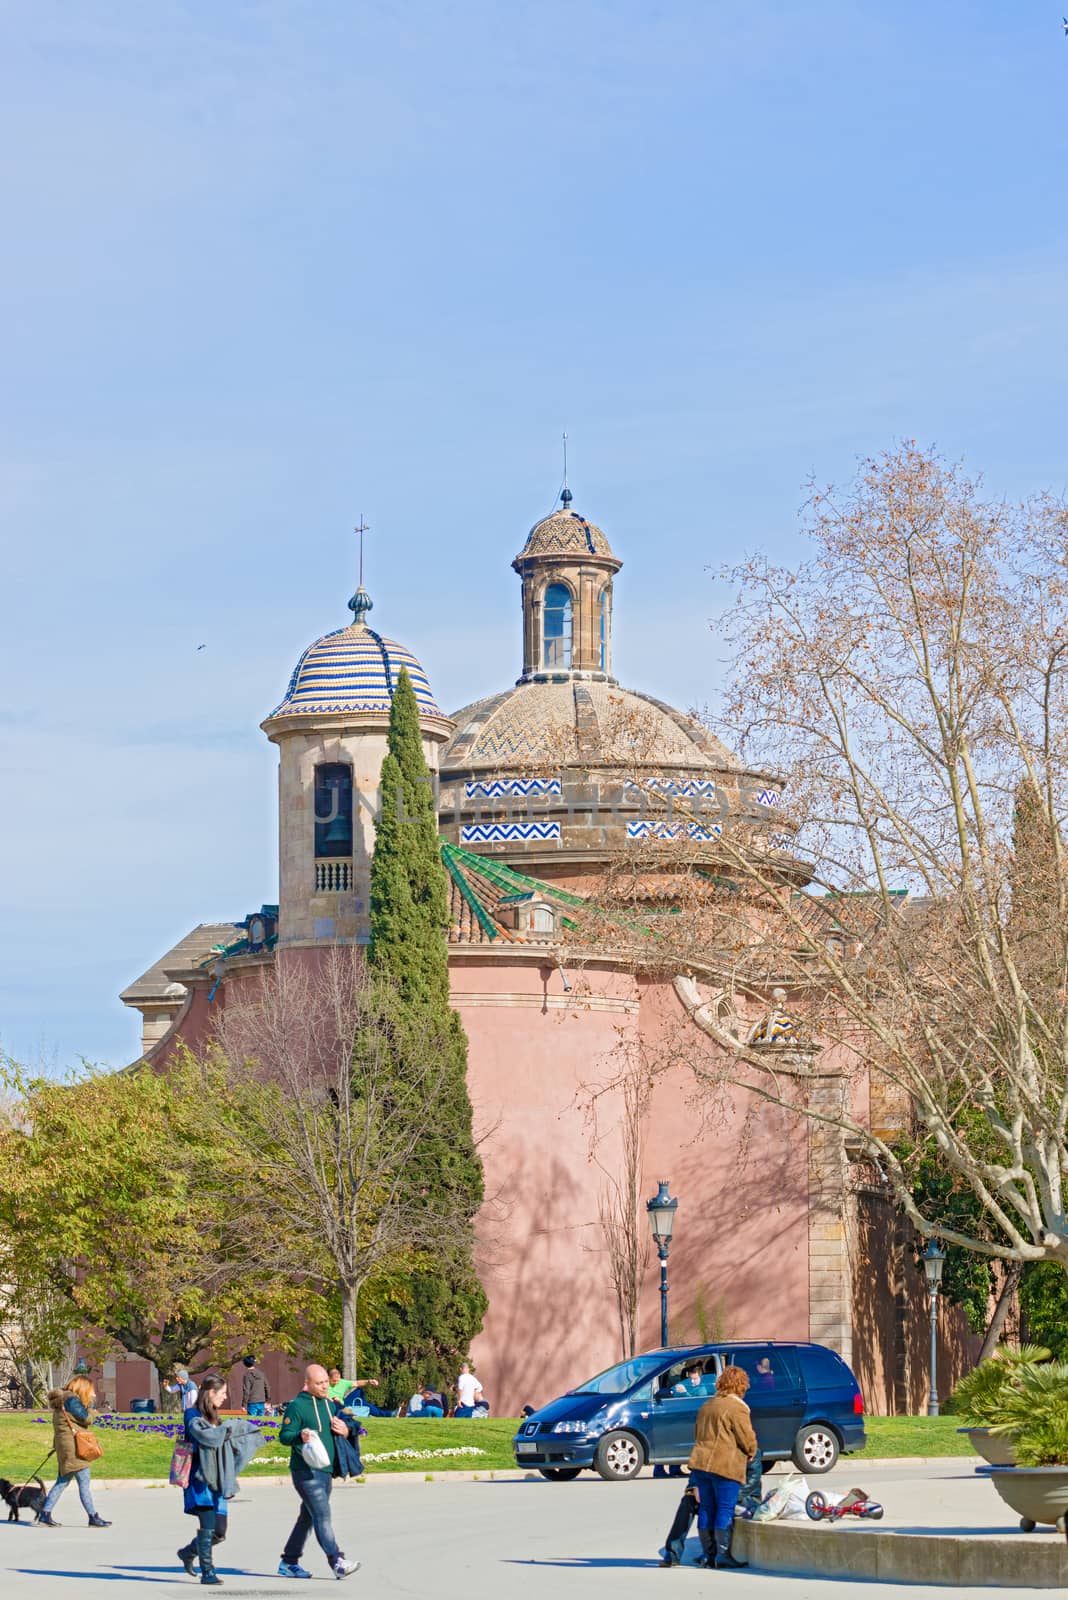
[353,671]
[565,533]
[566,723]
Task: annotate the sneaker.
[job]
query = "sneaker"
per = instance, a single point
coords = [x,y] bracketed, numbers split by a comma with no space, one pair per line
[342,1568]
[46,1520]
[292,1569]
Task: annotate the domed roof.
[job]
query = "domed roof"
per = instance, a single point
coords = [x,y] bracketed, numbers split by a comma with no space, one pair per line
[353,670]
[565,532]
[571,722]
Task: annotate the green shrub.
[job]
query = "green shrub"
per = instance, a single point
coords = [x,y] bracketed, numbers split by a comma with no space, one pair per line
[984,1399]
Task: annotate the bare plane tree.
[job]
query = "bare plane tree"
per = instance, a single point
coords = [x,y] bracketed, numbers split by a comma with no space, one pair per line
[310,1059]
[901,685]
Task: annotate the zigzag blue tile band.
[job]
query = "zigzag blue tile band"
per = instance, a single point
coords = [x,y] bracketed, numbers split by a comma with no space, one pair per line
[671,830]
[494,789]
[509,832]
[693,786]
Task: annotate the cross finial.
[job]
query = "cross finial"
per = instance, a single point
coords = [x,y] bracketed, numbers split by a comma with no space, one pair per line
[361,528]
[360,604]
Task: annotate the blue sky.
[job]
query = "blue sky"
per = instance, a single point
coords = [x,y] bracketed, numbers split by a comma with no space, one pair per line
[271,265]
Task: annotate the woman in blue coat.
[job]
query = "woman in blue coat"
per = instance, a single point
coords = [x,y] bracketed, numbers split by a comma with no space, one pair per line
[221,1448]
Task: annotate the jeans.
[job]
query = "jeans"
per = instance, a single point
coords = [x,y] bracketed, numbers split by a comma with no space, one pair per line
[256,1408]
[85,1494]
[431,1411]
[716,1499]
[313,1487]
[753,1488]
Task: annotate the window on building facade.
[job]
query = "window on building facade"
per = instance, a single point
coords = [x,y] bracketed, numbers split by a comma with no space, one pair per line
[333,810]
[556,626]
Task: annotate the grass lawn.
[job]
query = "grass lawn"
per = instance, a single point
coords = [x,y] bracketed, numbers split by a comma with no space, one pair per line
[142,1447]
[137,1451]
[914,1436]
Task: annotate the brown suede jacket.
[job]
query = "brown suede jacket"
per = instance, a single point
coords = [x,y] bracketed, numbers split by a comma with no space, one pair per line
[724,1440]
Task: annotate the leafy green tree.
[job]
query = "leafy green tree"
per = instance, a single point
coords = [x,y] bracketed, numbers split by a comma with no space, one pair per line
[409,916]
[109,1216]
[1044,1303]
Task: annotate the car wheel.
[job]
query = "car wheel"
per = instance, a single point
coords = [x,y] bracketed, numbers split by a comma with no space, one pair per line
[619,1456]
[815,1448]
[559,1474]
[766,1465]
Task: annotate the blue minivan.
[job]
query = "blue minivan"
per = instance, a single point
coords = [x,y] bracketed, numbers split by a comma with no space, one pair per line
[806,1407]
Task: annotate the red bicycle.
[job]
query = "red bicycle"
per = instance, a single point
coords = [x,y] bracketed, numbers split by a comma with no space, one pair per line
[855,1504]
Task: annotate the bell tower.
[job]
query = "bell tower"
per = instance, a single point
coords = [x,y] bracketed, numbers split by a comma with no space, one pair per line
[567,568]
[331,732]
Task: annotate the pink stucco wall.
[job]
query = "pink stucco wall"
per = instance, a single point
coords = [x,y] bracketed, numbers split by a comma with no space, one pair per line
[544,1066]
[536,1060]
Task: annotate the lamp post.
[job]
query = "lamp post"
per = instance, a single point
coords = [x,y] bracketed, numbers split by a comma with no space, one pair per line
[933,1258]
[661,1209]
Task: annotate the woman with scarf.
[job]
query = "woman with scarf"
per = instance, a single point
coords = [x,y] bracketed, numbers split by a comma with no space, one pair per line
[221,1449]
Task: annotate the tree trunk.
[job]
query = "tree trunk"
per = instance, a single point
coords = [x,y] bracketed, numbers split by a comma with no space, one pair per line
[1009,1285]
[349,1292]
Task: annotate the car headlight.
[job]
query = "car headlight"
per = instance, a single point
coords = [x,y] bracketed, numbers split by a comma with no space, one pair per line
[570,1427]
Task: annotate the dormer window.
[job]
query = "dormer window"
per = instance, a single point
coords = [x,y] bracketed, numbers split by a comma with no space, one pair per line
[333,810]
[531,915]
[556,626]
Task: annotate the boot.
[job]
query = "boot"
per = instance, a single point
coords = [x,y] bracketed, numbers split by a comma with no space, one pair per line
[208,1573]
[97,1521]
[45,1519]
[187,1555]
[723,1550]
[708,1548]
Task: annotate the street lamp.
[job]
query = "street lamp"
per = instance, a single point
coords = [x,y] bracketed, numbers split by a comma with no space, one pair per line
[661,1209]
[934,1259]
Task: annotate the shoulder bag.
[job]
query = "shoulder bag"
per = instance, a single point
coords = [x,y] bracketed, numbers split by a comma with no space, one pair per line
[86,1447]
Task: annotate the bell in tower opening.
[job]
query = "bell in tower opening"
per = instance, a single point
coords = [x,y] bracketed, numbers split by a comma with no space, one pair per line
[333,810]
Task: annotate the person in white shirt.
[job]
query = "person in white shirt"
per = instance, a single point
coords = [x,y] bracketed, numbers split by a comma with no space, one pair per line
[468,1392]
[184,1387]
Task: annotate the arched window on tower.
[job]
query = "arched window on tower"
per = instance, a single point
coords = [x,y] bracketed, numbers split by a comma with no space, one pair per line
[333,810]
[556,626]
[604,629]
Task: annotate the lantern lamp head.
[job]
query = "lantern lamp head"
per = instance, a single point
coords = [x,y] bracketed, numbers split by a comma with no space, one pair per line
[934,1259]
[661,1209]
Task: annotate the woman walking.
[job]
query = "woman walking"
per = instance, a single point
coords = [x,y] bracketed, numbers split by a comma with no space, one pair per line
[221,1449]
[70,1413]
[723,1447]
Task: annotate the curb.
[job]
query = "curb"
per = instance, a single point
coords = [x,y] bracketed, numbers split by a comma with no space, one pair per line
[947,1560]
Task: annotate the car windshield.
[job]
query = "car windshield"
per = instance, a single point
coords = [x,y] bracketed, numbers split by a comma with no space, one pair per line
[617,1380]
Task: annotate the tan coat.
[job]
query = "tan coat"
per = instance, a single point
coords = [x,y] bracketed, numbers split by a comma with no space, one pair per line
[724,1440]
[67,1461]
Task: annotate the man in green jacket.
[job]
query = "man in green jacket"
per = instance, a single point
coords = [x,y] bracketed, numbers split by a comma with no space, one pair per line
[312,1415]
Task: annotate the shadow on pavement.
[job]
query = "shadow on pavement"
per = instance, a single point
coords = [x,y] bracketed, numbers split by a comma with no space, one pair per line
[581,1563]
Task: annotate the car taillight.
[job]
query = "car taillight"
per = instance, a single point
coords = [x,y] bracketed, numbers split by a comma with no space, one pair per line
[858,1404]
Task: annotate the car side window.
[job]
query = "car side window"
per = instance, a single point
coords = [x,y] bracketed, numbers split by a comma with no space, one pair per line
[771,1371]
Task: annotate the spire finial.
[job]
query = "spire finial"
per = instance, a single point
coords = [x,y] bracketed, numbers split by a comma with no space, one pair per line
[565,498]
[361,603]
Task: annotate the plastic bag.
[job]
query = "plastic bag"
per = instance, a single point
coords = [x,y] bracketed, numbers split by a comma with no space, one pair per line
[315,1453]
[786,1502]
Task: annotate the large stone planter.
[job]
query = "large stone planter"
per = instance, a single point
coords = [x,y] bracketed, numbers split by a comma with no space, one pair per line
[1037,1494]
[997,1448]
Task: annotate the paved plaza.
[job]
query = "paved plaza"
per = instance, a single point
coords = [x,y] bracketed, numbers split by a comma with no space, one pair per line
[466,1540]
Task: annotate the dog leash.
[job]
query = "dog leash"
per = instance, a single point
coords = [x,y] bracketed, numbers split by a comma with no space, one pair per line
[37,1472]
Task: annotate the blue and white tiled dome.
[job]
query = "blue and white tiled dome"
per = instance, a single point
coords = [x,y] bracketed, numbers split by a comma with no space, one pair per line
[353,670]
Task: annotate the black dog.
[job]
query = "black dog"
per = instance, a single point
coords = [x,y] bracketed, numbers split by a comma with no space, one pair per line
[18,1495]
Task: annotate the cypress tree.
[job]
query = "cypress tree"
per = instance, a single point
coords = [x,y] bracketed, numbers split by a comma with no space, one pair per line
[424,1341]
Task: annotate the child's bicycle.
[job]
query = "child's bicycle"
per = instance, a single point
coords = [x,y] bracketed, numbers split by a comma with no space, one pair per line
[855,1504]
